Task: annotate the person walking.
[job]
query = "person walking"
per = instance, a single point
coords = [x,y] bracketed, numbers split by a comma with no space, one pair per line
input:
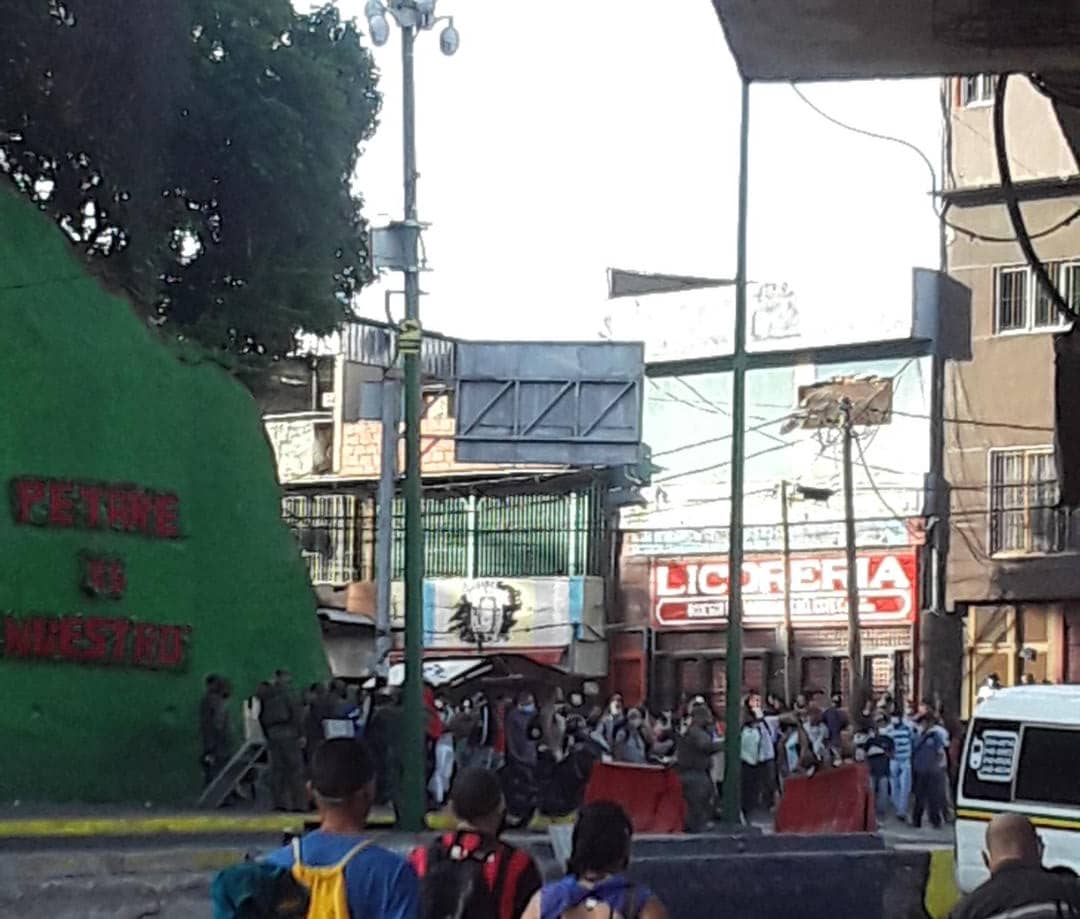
[451,866]
[1019,884]
[900,732]
[339,861]
[280,717]
[595,873]
[928,769]
[693,759]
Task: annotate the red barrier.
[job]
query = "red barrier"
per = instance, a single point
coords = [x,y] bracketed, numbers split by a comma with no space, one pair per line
[651,795]
[830,801]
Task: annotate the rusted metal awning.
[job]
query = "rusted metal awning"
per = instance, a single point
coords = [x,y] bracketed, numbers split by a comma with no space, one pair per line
[804,40]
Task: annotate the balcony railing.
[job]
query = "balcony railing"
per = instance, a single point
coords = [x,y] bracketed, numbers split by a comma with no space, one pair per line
[367,341]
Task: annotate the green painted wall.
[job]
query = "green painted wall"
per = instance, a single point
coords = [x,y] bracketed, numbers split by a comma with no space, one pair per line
[89,393]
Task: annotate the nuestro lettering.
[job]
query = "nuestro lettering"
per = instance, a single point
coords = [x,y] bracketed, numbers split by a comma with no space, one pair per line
[73,504]
[95,640]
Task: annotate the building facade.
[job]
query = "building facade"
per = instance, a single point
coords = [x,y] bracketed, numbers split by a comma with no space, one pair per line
[517,558]
[1013,573]
[668,630]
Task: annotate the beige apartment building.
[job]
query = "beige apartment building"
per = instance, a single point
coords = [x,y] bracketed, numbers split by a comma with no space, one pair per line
[1014,568]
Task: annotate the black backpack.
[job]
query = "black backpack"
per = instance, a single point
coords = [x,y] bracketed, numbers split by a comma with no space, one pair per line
[454,885]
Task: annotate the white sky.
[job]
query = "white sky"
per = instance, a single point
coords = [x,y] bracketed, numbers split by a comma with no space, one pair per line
[566,138]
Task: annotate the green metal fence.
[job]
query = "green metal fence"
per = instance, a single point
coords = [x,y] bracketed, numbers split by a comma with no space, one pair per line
[518,535]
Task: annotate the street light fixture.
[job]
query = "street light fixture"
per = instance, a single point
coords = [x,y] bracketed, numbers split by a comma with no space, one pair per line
[413,16]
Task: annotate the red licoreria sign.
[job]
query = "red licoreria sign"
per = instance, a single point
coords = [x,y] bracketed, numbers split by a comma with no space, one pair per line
[692,592]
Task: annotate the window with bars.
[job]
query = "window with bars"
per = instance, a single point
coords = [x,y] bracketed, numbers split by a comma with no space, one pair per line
[328,531]
[1022,305]
[977,89]
[1024,517]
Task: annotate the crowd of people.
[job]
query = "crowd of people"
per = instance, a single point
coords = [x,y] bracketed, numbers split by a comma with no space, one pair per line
[544,751]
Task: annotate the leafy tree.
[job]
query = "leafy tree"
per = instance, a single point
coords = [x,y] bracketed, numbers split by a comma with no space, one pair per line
[200,154]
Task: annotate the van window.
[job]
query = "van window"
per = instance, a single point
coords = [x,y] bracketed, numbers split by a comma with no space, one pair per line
[991,760]
[1049,766]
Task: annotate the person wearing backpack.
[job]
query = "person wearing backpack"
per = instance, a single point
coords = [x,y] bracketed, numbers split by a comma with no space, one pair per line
[469,873]
[595,886]
[347,877]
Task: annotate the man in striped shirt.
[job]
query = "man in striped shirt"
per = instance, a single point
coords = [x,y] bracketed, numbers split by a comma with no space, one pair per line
[902,734]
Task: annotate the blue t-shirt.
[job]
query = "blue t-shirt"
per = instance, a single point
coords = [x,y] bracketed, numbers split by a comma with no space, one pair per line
[381,885]
[560,896]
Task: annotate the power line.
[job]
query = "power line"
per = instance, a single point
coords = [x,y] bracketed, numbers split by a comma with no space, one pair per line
[721,437]
[939,213]
[870,477]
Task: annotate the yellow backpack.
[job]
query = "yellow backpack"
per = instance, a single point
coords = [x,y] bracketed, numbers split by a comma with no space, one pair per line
[328,892]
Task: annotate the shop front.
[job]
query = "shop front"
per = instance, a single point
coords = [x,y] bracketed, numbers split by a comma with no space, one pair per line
[792,641]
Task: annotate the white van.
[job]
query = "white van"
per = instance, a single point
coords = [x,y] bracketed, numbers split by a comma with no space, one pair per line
[1022,754]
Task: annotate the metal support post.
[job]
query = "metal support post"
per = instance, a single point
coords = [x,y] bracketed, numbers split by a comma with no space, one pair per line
[854,699]
[733,661]
[384,523]
[413,755]
[786,639]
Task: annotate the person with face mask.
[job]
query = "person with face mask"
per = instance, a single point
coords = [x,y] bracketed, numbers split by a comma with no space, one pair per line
[633,741]
[613,719]
[521,746]
[902,735]
[758,755]
[693,758]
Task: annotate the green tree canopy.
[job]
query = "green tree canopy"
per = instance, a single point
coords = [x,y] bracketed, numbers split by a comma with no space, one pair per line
[199,153]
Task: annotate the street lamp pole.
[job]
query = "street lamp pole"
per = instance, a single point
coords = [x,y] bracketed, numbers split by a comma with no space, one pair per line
[412,802]
[411,16]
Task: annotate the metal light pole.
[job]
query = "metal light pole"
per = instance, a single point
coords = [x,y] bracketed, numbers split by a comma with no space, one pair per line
[786,642]
[411,16]
[733,659]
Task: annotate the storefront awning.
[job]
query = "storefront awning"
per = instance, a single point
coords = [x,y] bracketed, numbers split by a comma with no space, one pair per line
[805,40]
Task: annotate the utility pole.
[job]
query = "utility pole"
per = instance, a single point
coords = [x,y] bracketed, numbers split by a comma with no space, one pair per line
[854,687]
[786,638]
[733,659]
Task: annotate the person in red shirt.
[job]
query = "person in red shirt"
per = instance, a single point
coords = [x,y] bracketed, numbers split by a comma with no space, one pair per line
[511,875]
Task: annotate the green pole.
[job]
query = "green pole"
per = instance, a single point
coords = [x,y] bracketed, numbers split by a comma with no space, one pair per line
[413,797]
[734,659]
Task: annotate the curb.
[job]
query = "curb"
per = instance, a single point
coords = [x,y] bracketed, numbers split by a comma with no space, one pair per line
[174,824]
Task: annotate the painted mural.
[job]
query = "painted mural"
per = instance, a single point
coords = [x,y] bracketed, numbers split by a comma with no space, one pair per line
[143,547]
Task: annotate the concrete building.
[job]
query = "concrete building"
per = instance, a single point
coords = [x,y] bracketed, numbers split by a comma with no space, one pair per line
[1013,572]
[516,557]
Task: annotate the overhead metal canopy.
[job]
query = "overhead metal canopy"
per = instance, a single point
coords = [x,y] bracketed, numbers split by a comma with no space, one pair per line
[806,40]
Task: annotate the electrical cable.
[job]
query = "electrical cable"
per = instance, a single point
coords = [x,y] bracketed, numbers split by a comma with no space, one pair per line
[1012,203]
[870,479]
[938,212]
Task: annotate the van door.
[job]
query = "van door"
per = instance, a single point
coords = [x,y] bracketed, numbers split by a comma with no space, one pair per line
[986,787]
[1047,789]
